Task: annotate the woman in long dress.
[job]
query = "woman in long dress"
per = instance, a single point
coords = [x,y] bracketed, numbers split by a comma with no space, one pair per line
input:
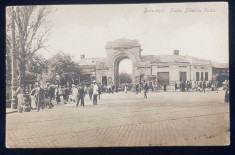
[125,89]
[57,95]
[74,94]
[227,93]
[33,98]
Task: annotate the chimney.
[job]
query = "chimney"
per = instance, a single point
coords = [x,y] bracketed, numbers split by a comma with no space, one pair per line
[176,52]
[82,56]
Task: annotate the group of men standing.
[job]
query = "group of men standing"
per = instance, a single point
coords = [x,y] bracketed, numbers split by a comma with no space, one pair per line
[78,93]
[43,97]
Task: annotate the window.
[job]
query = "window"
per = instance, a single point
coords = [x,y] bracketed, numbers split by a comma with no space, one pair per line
[206,76]
[162,66]
[201,76]
[197,76]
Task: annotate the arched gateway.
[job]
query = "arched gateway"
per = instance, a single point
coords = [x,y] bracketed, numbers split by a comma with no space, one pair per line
[117,51]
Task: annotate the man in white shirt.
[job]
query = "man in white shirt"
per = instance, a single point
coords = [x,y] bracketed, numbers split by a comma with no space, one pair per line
[95,93]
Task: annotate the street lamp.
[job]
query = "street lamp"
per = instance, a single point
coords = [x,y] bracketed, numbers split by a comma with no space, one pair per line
[13,65]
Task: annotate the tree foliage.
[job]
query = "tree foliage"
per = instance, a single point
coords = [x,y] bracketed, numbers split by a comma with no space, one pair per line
[125,78]
[31,28]
[57,66]
[38,64]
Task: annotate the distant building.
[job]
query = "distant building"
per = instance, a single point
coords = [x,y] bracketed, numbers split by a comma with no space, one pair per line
[153,69]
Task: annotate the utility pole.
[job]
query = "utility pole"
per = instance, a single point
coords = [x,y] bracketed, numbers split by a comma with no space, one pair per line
[13,65]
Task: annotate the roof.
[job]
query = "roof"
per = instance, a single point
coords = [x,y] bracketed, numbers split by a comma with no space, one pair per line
[91,61]
[220,65]
[164,58]
[174,58]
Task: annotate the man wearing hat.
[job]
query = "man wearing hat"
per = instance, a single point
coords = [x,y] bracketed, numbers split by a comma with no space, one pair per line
[51,93]
[81,94]
[39,97]
[95,92]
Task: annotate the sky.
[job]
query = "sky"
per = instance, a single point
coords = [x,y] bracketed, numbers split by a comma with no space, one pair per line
[195,29]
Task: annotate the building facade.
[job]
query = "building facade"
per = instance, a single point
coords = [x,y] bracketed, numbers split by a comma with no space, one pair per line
[153,69]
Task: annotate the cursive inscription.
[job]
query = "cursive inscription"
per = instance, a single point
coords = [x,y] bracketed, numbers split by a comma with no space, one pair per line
[147,10]
[173,10]
[180,10]
[191,10]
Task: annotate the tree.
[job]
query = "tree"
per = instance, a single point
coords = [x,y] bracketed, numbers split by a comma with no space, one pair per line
[31,28]
[38,64]
[57,66]
[125,78]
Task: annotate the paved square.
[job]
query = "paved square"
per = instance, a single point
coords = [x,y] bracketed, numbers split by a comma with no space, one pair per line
[125,119]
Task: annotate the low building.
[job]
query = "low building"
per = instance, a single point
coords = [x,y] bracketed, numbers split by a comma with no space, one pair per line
[153,69]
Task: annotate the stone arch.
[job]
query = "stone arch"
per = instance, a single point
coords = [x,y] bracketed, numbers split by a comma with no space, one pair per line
[116,59]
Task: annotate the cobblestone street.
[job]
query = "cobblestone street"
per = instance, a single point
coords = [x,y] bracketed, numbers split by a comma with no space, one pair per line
[125,119]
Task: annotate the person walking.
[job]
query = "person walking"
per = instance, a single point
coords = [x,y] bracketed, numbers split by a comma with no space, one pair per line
[90,92]
[20,95]
[81,94]
[46,97]
[227,93]
[74,93]
[164,85]
[95,93]
[51,95]
[175,86]
[199,87]
[125,88]
[99,91]
[183,86]
[62,94]
[203,86]
[137,88]
[116,90]
[66,92]
[113,87]
[40,97]
[33,97]
[216,86]
[109,88]
[145,90]
[57,95]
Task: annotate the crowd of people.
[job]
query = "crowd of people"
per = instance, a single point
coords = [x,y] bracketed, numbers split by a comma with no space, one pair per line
[183,86]
[43,96]
[200,86]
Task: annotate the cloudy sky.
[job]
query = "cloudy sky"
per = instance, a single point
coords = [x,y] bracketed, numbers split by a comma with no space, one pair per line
[196,29]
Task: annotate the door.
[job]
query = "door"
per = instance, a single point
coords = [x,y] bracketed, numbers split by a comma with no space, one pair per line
[104,80]
[163,77]
[183,76]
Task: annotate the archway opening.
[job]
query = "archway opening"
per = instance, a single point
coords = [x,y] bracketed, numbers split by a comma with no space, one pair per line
[104,80]
[125,69]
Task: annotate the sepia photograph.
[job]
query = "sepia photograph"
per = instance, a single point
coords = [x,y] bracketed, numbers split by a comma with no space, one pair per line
[117,75]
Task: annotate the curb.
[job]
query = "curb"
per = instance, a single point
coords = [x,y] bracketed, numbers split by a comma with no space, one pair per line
[12,112]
